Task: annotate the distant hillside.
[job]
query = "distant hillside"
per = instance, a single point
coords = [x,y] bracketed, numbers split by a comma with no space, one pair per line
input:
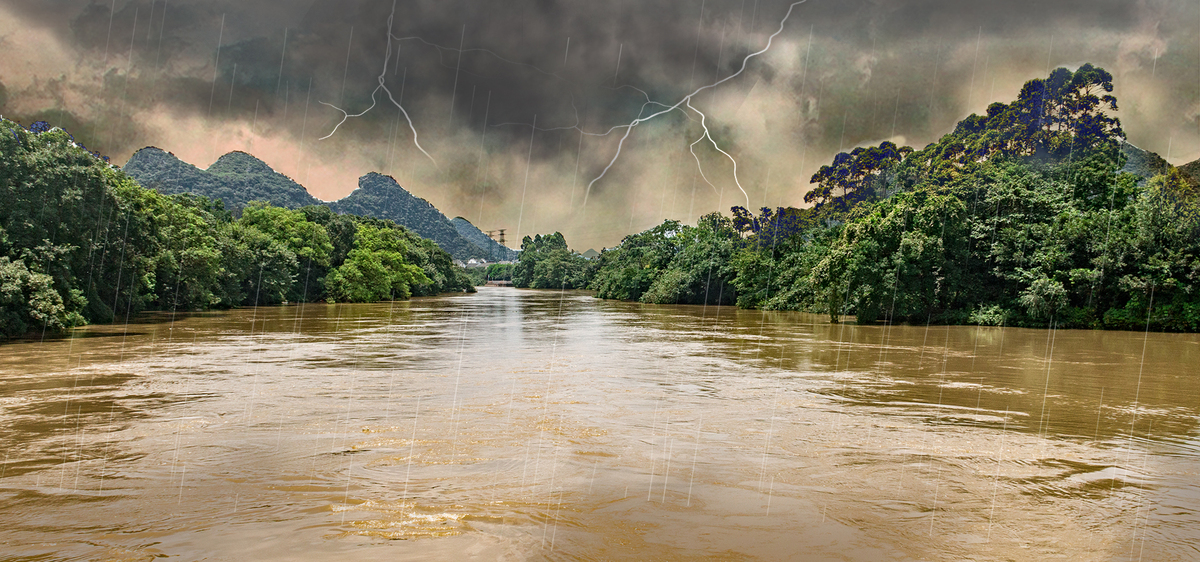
[381,197]
[236,178]
[1146,164]
[495,250]
[1191,171]
[1142,163]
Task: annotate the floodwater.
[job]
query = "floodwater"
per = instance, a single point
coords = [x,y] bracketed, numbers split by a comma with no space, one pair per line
[545,425]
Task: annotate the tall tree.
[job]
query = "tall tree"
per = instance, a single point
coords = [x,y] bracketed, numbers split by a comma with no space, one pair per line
[854,173]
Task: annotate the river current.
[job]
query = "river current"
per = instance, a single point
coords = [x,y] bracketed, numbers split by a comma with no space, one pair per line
[544,425]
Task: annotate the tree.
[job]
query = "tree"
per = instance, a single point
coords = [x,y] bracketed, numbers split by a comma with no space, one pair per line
[855,173]
[308,240]
[672,264]
[546,262]
[256,269]
[376,269]
[28,301]
[772,226]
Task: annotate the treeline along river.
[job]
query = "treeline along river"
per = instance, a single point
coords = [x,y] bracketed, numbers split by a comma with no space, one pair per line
[513,424]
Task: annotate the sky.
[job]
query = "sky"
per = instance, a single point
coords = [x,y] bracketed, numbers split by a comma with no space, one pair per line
[524,115]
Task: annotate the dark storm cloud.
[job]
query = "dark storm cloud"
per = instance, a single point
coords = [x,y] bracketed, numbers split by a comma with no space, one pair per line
[840,74]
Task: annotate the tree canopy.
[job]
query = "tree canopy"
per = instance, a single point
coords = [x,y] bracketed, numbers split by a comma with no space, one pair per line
[1022,216]
[81,242]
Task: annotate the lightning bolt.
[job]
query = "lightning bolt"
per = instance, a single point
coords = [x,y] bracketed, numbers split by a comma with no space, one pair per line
[692,149]
[687,101]
[628,128]
[576,126]
[718,148]
[382,85]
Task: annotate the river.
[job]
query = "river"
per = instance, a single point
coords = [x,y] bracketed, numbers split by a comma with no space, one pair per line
[542,425]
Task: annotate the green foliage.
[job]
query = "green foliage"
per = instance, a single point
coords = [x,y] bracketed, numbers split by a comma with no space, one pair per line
[67,215]
[235,178]
[239,180]
[499,272]
[477,275]
[546,263]
[81,242]
[189,263]
[671,263]
[492,272]
[309,241]
[28,301]
[1020,217]
[859,174]
[257,269]
[376,269]
[381,197]
[627,271]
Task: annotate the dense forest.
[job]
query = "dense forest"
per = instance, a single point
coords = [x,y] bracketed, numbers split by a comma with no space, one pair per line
[1034,214]
[237,179]
[380,196]
[1024,216]
[81,242]
[546,263]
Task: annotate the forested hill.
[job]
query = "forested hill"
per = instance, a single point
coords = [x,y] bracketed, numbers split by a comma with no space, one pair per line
[1143,163]
[381,197]
[1191,172]
[236,179]
[1036,213]
[495,250]
[82,242]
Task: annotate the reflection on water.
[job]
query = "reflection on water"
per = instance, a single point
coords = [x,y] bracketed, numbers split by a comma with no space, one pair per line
[513,425]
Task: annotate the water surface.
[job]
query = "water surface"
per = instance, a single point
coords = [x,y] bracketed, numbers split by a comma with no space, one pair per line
[543,425]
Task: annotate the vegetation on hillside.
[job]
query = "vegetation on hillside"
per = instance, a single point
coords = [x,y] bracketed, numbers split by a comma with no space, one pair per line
[1034,214]
[1022,216]
[495,250]
[82,242]
[381,197]
[235,179]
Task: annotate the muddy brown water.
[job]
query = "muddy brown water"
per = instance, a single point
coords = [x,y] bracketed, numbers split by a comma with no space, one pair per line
[543,425]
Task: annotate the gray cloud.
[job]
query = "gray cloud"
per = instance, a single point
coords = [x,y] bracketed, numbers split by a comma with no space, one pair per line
[840,74]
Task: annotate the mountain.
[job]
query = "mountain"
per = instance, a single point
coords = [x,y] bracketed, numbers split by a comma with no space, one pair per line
[381,197]
[495,250]
[1191,171]
[1142,163]
[1146,164]
[236,178]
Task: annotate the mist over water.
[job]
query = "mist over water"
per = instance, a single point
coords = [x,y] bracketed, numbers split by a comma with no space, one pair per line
[532,425]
